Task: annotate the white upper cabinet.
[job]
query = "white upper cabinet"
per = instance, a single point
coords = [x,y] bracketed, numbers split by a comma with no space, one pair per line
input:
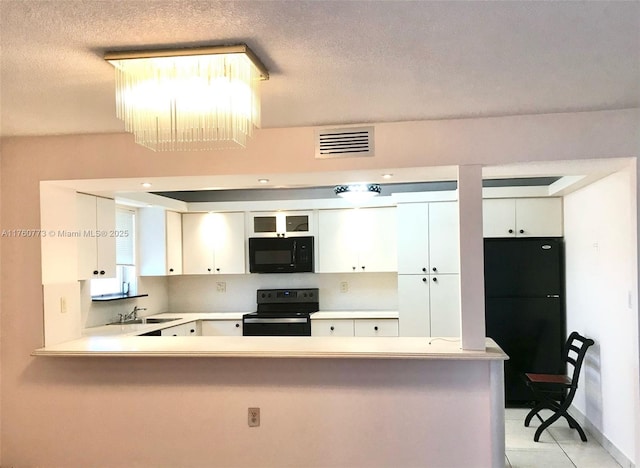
[213,243]
[444,248]
[281,224]
[160,242]
[522,217]
[352,240]
[413,238]
[428,238]
[96,241]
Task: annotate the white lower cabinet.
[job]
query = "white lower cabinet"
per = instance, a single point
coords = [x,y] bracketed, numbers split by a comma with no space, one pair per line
[376,327]
[429,305]
[221,328]
[413,305]
[444,303]
[341,327]
[186,329]
[355,327]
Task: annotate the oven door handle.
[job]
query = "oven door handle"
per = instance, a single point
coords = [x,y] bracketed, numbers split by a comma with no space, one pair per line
[276,320]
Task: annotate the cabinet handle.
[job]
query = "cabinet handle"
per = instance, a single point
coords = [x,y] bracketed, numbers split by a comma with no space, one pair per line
[375,328]
[332,328]
[102,272]
[95,272]
[424,279]
[521,231]
[237,325]
[435,280]
[354,268]
[170,270]
[193,331]
[208,269]
[510,231]
[217,269]
[434,269]
[363,267]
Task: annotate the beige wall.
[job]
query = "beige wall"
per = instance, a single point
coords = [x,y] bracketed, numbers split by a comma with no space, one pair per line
[70,412]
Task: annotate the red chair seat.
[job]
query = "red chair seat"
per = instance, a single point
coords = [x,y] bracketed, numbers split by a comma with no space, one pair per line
[549,378]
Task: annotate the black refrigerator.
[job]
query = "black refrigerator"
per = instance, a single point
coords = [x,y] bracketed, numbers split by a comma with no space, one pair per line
[525,307]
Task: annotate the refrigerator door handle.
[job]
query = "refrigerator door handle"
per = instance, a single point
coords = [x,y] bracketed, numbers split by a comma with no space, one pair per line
[553,295]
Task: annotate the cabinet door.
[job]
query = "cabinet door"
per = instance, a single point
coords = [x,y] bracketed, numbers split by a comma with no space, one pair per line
[106,225]
[338,239]
[221,328]
[377,242]
[87,245]
[228,243]
[288,224]
[178,330]
[413,305]
[445,305]
[499,217]
[197,243]
[96,241]
[413,238]
[538,217]
[444,246]
[376,327]
[174,243]
[342,327]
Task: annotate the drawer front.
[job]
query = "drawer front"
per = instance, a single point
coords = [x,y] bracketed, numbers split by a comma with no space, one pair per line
[380,327]
[222,328]
[178,330]
[331,327]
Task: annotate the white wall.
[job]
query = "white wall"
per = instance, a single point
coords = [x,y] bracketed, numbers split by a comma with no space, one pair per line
[367,291]
[600,236]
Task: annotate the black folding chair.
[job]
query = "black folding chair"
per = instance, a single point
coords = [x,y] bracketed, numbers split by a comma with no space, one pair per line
[556,391]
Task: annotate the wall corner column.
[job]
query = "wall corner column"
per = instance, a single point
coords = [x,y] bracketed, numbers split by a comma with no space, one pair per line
[472,324]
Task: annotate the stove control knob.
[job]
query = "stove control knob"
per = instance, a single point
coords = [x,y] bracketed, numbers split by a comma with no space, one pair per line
[263,295]
[310,294]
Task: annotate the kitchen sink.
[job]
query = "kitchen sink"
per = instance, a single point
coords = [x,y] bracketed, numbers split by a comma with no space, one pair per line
[159,320]
[144,320]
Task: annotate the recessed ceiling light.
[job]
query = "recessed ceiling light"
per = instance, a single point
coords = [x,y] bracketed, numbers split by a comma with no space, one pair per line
[263,181]
[146,184]
[387,176]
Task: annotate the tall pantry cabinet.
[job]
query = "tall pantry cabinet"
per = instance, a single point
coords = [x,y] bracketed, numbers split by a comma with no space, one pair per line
[428,269]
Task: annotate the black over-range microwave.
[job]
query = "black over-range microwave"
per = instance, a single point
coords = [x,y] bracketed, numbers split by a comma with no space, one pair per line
[281,254]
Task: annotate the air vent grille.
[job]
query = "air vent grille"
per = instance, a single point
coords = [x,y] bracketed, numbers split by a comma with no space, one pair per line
[344,142]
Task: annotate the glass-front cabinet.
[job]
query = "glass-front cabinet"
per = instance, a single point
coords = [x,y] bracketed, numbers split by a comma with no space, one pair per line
[281,224]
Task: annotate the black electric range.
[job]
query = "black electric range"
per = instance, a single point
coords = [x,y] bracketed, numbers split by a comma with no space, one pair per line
[282,312]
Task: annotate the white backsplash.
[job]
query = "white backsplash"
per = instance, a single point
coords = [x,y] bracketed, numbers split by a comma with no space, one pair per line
[199,293]
[100,313]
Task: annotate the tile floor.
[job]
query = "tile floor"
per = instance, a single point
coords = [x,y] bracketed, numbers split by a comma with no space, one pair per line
[559,446]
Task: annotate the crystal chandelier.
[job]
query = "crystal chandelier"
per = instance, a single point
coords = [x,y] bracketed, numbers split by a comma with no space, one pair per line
[189,99]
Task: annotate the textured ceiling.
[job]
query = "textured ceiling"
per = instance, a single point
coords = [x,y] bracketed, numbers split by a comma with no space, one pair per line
[330,62]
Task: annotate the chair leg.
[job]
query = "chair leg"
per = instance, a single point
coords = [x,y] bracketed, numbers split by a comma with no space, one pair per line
[540,405]
[559,411]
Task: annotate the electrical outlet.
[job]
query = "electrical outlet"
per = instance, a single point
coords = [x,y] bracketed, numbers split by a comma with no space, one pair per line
[254,417]
[221,286]
[344,287]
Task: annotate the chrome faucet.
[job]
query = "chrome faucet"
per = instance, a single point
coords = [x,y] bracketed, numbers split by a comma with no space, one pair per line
[131,315]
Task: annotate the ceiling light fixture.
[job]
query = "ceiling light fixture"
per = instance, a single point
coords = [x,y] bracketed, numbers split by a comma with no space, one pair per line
[146,184]
[357,192]
[263,181]
[189,99]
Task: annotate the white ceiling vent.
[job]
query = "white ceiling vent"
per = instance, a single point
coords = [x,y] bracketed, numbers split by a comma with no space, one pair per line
[348,142]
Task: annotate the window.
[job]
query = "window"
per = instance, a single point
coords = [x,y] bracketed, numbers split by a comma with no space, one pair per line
[125,281]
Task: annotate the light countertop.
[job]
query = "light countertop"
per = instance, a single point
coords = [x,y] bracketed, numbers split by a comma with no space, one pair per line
[124,340]
[273,347]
